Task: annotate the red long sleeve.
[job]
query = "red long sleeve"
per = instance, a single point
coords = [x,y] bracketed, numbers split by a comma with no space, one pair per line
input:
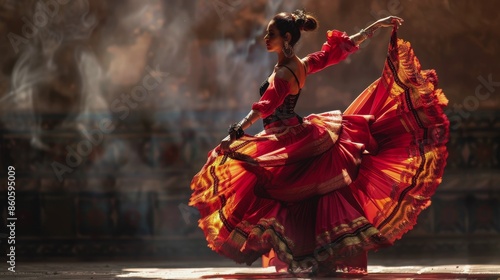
[273,97]
[336,48]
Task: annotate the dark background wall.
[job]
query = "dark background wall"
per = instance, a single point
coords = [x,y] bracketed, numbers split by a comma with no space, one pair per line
[108,108]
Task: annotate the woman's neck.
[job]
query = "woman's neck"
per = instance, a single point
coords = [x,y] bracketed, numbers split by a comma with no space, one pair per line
[282,59]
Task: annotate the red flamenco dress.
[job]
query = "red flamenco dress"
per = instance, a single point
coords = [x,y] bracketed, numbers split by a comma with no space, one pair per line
[322,190]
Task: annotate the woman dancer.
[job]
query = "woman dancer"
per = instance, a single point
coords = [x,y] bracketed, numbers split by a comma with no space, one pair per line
[318,192]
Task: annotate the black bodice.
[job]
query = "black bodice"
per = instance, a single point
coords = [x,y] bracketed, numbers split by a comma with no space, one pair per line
[285,111]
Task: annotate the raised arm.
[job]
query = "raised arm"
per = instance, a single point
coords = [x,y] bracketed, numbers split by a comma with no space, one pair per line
[368,31]
[339,45]
[336,48]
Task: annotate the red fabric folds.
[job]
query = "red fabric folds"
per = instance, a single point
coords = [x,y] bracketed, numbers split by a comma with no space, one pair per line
[321,193]
[337,47]
[273,97]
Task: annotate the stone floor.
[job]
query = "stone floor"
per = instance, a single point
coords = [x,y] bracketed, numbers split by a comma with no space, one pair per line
[222,269]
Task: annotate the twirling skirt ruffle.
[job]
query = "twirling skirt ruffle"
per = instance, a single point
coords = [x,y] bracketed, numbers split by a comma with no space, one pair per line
[323,192]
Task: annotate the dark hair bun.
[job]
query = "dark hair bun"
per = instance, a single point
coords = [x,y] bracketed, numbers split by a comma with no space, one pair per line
[305,21]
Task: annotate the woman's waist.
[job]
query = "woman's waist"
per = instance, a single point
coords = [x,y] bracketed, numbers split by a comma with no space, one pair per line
[276,120]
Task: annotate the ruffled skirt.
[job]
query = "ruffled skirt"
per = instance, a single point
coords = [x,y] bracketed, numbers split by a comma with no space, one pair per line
[321,193]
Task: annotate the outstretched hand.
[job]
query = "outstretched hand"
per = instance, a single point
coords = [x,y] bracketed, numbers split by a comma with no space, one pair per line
[390,21]
[225,143]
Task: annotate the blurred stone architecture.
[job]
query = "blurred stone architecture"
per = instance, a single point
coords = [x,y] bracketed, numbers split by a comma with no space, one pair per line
[108,108]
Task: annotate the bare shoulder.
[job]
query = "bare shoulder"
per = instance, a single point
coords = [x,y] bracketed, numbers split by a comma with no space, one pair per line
[294,73]
[305,63]
[284,74]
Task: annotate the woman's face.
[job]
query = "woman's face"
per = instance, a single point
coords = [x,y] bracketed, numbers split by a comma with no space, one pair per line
[273,40]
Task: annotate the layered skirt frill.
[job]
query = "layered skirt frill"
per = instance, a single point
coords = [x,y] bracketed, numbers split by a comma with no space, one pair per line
[323,192]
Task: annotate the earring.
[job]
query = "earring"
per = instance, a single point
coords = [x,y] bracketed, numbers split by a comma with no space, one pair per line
[287,49]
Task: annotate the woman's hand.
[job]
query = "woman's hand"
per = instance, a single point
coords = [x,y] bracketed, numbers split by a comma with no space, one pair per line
[367,32]
[224,144]
[390,21]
